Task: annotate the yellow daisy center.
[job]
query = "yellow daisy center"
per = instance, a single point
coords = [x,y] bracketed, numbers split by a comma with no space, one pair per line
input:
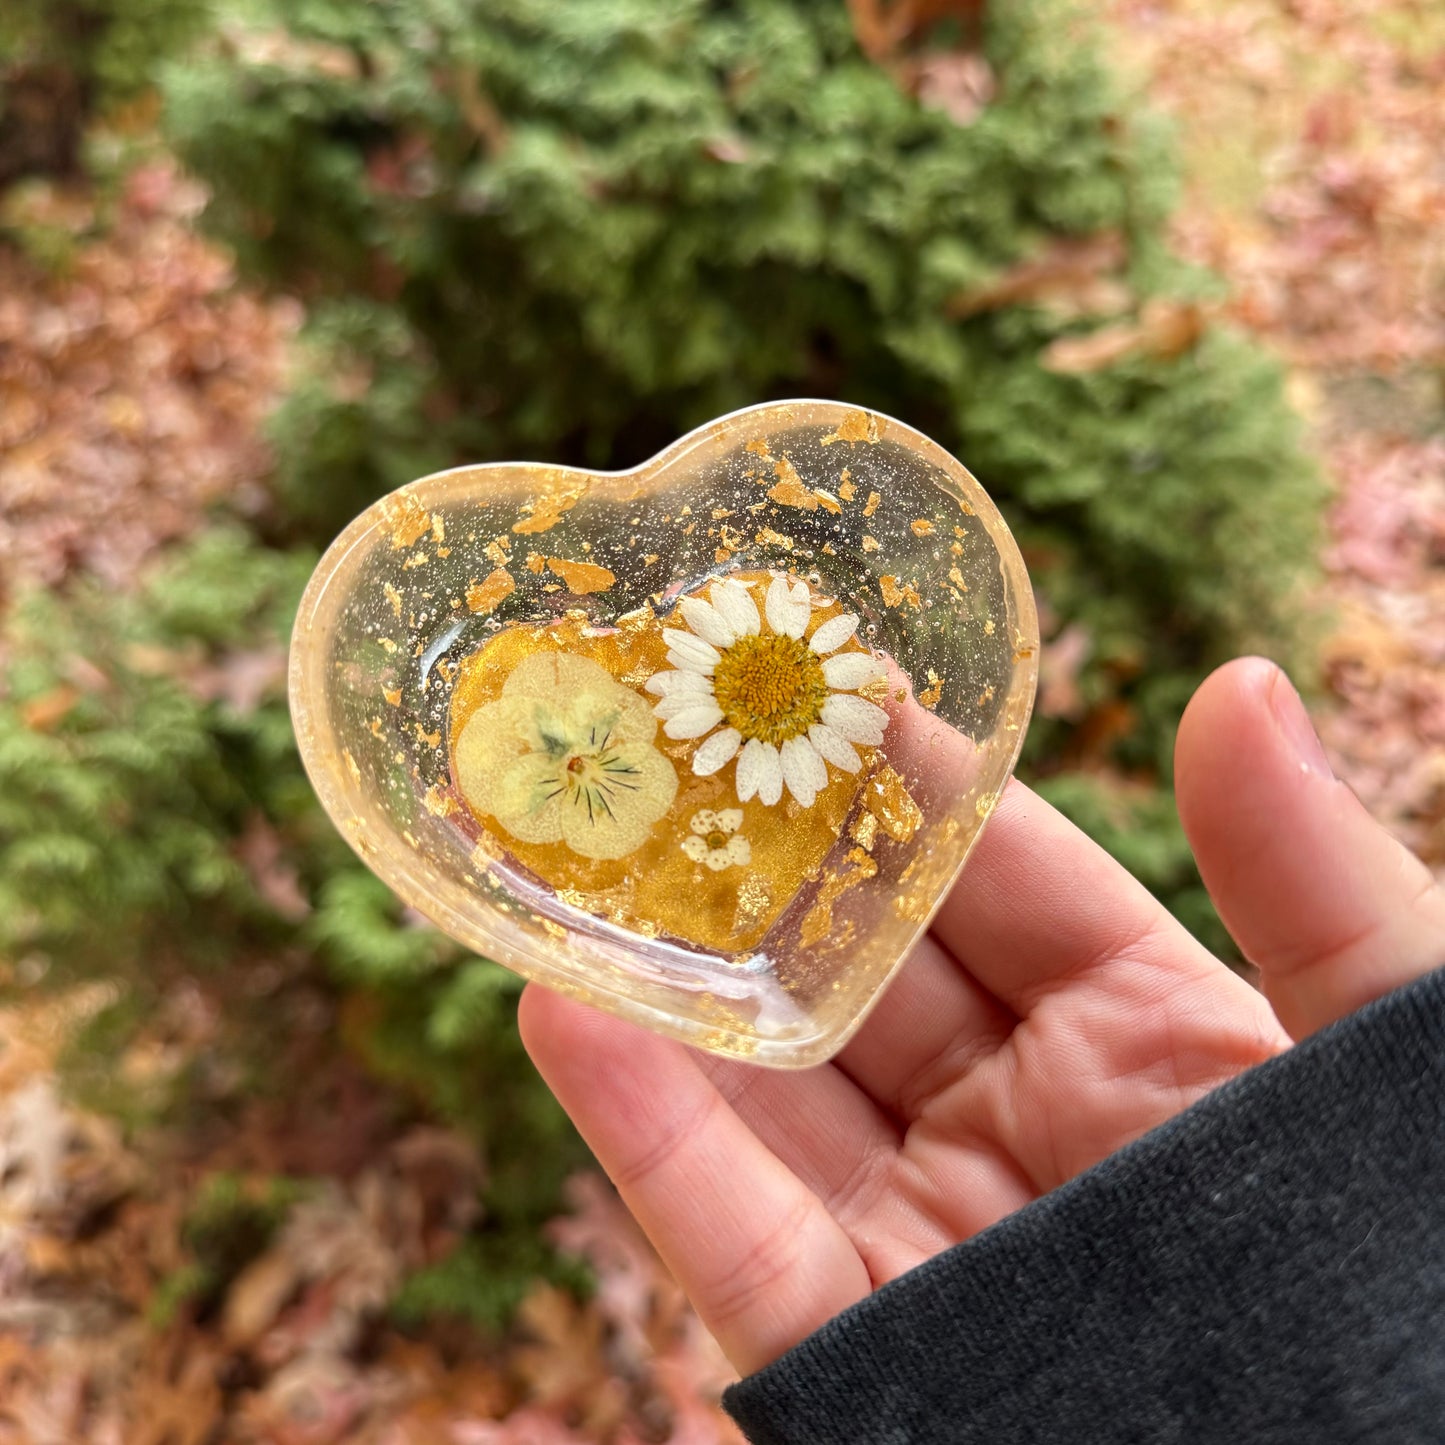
[770,688]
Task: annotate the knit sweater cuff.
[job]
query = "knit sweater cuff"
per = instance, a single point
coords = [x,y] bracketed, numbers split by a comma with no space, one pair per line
[1268,1266]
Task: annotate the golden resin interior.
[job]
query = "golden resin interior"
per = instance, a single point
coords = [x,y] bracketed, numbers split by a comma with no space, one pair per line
[704,743]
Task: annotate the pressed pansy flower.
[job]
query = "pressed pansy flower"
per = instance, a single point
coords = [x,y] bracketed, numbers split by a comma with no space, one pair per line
[782,706]
[715,841]
[565,755]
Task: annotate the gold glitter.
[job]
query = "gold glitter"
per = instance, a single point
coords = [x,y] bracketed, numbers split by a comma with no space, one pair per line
[871,505]
[487,596]
[582,577]
[921,527]
[889,800]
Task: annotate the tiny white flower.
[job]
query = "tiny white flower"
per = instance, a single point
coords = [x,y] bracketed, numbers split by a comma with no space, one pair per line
[783,707]
[715,841]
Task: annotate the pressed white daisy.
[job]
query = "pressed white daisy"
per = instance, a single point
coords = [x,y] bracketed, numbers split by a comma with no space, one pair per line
[715,841]
[782,706]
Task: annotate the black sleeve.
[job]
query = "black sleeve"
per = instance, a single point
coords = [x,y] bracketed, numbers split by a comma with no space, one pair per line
[1267,1267]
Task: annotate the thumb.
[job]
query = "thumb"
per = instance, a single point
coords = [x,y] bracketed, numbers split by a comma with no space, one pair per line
[1331,908]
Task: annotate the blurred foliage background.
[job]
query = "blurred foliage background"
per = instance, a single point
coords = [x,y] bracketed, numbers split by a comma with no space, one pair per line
[262,261]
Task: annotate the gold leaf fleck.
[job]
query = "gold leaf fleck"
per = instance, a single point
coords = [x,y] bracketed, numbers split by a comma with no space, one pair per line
[921,527]
[438,803]
[871,505]
[864,829]
[351,765]
[759,448]
[392,695]
[828,501]
[889,801]
[430,739]
[870,544]
[392,596]
[769,538]
[956,577]
[988,627]
[930,695]
[581,577]
[536,562]
[790,490]
[438,527]
[846,489]
[858,426]
[545,512]
[405,519]
[498,551]
[488,596]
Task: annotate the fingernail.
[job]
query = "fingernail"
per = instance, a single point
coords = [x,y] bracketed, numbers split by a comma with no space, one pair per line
[1294,723]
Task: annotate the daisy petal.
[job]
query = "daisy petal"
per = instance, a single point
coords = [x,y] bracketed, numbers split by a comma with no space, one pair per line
[699,655]
[850,669]
[833,747]
[665,684]
[759,772]
[720,749]
[859,720]
[681,702]
[694,722]
[787,608]
[707,622]
[736,607]
[834,632]
[803,770]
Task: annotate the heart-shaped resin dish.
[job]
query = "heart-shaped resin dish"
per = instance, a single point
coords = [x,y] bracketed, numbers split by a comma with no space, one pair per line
[704,743]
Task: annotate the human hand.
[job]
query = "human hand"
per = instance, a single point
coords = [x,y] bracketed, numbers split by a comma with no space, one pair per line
[1054,1013]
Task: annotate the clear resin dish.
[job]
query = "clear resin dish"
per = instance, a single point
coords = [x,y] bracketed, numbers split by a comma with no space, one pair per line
[704,743]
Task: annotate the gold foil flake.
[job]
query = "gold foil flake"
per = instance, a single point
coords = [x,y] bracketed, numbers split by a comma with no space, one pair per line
[393,597]
[438,528]
[864,829]
[818,921]
[351,766]
[985,805]
[769,538]
[485,597]
[721,555]
[858,426]
[417,559]
[790,490]
[374,727]
[956,577]
[871,505]
[870,544]
[536,562]
[986,696]
[423,736]
[498,551]
[759,448]
[649,559]
[828,501]
[405,520]
[889,800]
[582,577]
[921,527]
[846,489]
[392,695]
[438,802]
[956,548]
[988,627]
[930,695]
[893,594]
[718,513]
[387,645]
[544,513]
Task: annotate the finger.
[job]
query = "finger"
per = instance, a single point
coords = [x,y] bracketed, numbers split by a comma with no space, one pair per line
[933,1023]
[1040,907]
[753,1248]
[1333,910]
